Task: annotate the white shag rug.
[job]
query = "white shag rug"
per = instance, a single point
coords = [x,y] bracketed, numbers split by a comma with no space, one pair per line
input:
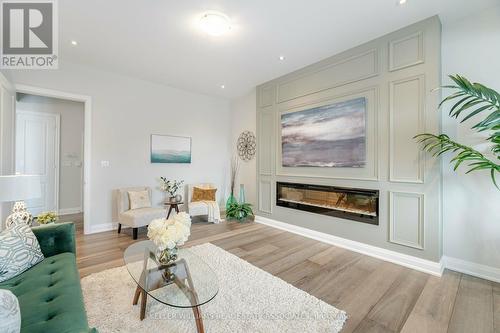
[249,300]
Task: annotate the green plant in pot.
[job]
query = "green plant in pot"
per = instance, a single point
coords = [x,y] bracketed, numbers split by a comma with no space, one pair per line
[239,211]
[470,99]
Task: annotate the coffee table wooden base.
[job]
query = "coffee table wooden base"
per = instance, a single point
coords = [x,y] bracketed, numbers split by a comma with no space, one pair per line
[187,289]
[141,293]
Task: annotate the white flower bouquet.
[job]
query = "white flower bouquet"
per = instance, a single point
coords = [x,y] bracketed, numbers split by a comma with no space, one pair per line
[170,186]
[168,234]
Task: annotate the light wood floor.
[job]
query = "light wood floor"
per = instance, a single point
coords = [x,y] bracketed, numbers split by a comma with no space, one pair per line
[378,296]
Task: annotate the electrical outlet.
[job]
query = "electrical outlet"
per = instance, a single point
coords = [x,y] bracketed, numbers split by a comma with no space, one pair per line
[104,164]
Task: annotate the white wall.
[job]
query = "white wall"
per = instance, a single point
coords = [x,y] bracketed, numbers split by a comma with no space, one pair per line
[6,138]
[471,204]
[244,119]
[71,145]
[125,112]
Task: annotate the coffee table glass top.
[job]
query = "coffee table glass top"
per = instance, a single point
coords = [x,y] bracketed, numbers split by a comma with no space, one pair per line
[186,283]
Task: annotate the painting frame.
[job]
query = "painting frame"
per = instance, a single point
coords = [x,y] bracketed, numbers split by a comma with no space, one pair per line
[170,149]
[329,135]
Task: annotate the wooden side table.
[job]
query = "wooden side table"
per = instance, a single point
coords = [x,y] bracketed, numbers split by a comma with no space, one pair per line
[172,205]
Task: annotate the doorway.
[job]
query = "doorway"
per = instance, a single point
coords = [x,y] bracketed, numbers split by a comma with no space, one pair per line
[37,153]
[53,140]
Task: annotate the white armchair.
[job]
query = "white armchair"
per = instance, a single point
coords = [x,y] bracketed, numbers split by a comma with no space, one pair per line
[135,218]
[203,208]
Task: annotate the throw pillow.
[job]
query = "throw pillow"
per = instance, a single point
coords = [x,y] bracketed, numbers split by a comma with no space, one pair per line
[10,315]
[203,194]
[139,199]
[19,250]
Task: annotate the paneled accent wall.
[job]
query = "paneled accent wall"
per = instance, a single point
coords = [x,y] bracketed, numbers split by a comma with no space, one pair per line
[395,74]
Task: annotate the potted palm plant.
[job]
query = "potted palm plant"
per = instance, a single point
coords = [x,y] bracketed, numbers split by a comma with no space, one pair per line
[470,99]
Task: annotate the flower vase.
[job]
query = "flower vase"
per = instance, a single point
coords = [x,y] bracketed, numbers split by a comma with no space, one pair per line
[242,194]
[231,200]
[166,256]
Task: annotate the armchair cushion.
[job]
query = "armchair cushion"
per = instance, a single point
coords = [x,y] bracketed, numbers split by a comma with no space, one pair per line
[203,194]
[140,217]
[139,199]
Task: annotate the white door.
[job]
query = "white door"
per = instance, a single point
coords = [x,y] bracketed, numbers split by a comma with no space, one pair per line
[37,153]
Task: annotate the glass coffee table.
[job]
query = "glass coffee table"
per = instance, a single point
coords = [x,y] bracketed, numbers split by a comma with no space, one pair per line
[187,283]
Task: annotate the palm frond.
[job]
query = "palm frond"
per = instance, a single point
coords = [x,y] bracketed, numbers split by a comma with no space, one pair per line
[440,144]
[472,99]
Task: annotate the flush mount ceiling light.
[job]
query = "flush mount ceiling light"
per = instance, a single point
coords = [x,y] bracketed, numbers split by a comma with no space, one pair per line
[74,43]
[281,58]
[223,86]
[215,23]
[402,2]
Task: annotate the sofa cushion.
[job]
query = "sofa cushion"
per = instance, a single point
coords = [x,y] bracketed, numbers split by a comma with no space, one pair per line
[19,250]
[50,296]
[141,217]
[10,316]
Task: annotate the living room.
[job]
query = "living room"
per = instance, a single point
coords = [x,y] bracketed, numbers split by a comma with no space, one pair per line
[266,166]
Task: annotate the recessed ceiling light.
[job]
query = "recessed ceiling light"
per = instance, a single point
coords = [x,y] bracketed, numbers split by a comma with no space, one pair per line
[222,86]
[215,23]
[74,43]
[402,2]
[282,58]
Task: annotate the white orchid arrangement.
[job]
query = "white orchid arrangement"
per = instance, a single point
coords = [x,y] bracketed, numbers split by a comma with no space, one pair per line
[168,234]
[170,186]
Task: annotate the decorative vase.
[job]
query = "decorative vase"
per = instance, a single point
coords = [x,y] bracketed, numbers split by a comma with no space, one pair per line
[178,198]
[166,256]
[172,199]
[242,194]
[231,200]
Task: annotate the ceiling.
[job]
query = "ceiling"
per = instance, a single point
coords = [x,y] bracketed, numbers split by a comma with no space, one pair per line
[158,40]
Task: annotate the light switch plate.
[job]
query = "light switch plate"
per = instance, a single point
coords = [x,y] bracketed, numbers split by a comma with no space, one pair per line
[105,164]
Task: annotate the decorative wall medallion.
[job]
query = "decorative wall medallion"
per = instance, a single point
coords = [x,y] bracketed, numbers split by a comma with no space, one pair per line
[246,145]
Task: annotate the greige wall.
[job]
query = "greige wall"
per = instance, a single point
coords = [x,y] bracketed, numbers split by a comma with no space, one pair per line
[395,73]
[71,146]
[243,119]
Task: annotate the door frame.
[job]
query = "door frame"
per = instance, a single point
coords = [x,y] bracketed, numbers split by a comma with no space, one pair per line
[87,145]
[57,147]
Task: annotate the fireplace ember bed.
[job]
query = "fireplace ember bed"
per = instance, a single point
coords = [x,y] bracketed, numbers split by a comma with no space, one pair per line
[348,203]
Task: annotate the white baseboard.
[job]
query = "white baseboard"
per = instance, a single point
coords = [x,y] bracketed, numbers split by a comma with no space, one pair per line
[102,227]
[471,268]
[423,265]
[67,211]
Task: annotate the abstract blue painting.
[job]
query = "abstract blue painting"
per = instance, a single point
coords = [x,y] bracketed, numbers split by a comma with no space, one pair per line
[170,149]
[333,135]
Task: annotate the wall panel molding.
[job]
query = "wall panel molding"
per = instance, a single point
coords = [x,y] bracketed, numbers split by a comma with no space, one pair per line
[352,69]
[266,196]
[406,119]
[395,73]
[266,96]
[406,52]
[265,142]
[406,219]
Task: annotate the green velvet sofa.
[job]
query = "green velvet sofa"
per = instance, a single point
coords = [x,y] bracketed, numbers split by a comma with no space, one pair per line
[49,293]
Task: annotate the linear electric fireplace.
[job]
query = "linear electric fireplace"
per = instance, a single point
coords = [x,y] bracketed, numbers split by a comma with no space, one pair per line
[348,203]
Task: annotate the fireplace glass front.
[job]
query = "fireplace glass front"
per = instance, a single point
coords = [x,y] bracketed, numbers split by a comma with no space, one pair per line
[348,203]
